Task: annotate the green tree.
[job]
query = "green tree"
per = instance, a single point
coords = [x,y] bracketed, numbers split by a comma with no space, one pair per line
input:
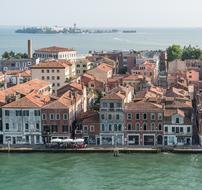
[191,53]
[174,52]
[13,55]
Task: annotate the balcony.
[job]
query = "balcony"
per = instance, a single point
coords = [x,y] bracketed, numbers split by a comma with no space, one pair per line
[111,109]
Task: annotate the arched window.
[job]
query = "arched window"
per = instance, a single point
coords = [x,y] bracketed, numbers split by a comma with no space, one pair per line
[115,127]
[119,127]
[160,127]
[144,126]
[137,126]
[152,126]
[129,126]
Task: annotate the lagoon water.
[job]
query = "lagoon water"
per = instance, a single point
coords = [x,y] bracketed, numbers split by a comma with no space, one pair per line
[145,38]
[100,171]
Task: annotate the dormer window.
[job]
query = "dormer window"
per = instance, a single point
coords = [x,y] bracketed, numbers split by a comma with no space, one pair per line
[177,120]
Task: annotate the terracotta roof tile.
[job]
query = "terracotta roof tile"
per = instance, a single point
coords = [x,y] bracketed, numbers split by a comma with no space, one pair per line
[32,100]
[143,106]
[59,63]
[54,49]
[24,88]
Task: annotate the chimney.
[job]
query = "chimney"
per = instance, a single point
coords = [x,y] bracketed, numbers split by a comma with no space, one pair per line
[70,94]
[29,48]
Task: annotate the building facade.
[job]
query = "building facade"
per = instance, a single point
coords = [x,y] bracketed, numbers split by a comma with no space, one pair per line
[55,52]
[57,72]
[177,128]
[143,123]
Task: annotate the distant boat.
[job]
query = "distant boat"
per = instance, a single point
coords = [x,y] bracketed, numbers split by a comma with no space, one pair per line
[129,31]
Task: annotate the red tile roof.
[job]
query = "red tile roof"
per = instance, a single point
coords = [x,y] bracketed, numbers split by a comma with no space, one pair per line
[32,100]
[143,106]
[54,49]
[59,63]
[105,67]
[24,88]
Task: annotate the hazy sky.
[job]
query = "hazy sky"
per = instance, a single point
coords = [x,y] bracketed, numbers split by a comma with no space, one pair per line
[109,13]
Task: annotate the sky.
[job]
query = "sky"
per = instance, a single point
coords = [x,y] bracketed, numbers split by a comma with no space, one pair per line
[102,13]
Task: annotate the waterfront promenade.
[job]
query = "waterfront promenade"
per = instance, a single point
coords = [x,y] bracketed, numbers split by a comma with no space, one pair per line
[101,149]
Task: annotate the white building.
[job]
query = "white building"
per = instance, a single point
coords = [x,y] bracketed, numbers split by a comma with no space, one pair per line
[57,72]
[55,52]
[83,65]
[22,120]
[177,128]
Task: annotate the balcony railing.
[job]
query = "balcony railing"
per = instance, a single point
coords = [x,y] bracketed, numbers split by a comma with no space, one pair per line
[111,109]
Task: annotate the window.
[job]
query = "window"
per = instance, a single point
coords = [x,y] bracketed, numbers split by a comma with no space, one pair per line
[111,105]
[119,127]
[104,105]
[118,105]
[145,126]
[42,71]
[53,77]
[57,116]
[43,116]
[58,78]
[166,129]
[115,127]
[77,65]
[103,127]
[177,129]
[129,116]
[188,129]
[37,112]
[85,128]
[65,116]
[18,112]
[102,116]
[137,126]
[26,127]
[7,112]
[177,120]
[58,71]
[173,129]
[7,126]
[152,116]
[92,129]
[144,116]
[160,127]
[37,126]
[117,116]
[110,127]
[53,84]
[27,138]
[47,77]
[152,126]
[160,117]
[58,84]
[181,130]
[137,116]
[53,70]
[129,126]
[47,70]
[37,139]
[53,91]
[51,116]
[54,128]
[42,77]
[84,65]
[64,128]
[25,112]
[109,116]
